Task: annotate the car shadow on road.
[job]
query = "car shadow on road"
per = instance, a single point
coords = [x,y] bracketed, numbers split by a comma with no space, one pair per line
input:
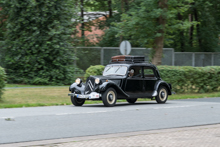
[122,104]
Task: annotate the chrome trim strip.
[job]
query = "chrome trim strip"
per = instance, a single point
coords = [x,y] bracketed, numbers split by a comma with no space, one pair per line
[90,85]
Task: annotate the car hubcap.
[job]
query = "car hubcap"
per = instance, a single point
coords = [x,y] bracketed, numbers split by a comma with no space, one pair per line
[163,94]
[111,97]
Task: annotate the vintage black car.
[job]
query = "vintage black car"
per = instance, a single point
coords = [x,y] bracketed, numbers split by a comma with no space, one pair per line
[125,77]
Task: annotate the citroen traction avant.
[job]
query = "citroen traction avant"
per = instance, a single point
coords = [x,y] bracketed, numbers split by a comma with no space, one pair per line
[125,77]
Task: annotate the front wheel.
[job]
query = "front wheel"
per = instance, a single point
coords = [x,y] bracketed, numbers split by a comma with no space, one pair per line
[131,101]
[162,95]
[76,101]
[109,97]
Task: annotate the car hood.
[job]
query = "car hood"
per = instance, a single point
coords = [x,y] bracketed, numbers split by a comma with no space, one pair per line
[109,77]
[116,79]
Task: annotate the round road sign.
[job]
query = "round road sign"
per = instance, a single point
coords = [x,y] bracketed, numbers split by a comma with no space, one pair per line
[125,47]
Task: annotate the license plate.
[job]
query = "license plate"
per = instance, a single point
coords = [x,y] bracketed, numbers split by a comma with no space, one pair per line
[95,96]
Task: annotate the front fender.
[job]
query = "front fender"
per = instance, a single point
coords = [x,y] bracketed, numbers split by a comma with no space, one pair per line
[77,89]
[104,86]
[160,83]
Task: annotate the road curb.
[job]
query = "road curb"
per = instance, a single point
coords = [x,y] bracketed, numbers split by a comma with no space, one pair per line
[106,136]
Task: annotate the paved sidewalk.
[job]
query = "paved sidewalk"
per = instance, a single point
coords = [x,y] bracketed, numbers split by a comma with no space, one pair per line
[198,136]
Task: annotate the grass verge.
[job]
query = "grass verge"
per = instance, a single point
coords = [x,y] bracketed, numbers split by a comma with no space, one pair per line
[24,85]
[50,96]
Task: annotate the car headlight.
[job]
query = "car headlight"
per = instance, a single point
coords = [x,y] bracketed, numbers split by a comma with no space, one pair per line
[97,80]
[78,81]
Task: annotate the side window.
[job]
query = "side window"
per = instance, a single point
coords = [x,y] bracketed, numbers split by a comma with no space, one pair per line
[148,72]
[136,71]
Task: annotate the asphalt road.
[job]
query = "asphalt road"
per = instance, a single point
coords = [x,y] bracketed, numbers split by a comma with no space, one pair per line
[42,123]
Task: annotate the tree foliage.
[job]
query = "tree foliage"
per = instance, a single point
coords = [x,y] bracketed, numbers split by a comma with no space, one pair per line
[190,25]
[147,22]
[202,36]
[37,41]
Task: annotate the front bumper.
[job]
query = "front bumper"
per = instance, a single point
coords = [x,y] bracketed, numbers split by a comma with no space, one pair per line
[92,95]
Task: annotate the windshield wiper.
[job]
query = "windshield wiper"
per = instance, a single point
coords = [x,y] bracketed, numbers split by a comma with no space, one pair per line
[107,69]
[117,69]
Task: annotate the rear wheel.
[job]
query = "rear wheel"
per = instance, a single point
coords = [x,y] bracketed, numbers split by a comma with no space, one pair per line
[109,97]
[131,101]
[162,95]
[76,101]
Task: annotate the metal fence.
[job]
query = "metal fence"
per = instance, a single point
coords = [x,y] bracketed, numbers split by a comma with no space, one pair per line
[197,59]
[87,56]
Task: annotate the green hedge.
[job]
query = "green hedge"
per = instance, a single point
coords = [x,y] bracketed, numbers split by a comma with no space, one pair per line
[183,78]
[192,79]
[2,80]
[94,70]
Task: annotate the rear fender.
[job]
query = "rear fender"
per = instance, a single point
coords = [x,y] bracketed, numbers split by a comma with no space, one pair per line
[163,83]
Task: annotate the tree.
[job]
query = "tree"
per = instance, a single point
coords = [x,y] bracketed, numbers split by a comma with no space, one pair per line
[37,41]
[148,21]
[202,35]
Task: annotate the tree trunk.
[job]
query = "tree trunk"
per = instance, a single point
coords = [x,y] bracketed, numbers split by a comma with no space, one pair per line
[126,5]
[159,41]
[181,33]
[82,21]
[191,29]
[198,28]
[122,11]
[110,7]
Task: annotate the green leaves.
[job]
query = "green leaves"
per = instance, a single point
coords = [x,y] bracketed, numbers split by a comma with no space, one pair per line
[37,41]
[191,79]
[94,70]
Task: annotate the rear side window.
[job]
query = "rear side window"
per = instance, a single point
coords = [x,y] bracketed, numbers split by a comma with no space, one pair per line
[148,72]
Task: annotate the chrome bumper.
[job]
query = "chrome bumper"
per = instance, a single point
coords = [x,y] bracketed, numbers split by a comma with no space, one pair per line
[92,95]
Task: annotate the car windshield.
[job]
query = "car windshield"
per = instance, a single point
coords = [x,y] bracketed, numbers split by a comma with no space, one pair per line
[115,70]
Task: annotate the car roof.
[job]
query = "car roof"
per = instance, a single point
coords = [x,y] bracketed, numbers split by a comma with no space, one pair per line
[133,64]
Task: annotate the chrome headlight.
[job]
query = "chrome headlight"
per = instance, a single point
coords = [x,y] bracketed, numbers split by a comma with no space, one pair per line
[97,80]
[78,81]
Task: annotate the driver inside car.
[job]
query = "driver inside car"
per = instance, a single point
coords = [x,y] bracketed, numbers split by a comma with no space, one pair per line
[131,72]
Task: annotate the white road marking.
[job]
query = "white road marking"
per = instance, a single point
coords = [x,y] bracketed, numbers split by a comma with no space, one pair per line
[81,113]
[175,107]
[63,114]
[12,117]
[97,112]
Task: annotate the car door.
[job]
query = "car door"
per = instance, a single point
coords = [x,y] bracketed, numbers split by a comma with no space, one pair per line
[134,84]
[149,80]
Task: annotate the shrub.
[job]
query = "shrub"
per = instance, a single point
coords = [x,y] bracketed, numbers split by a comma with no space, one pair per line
[2,80]
[183,78]
[37,40]
[191,79]
[94,70]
